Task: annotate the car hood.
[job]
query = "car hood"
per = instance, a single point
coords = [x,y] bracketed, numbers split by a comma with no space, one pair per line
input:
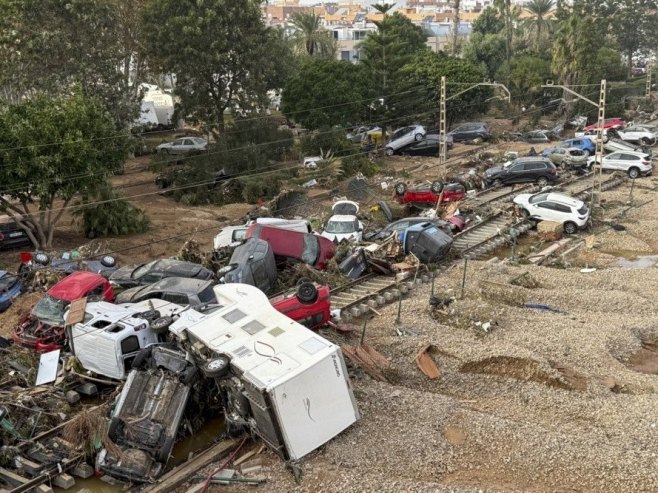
[522,198]
[124,273]
[345,208]
[496,170]
[128,295]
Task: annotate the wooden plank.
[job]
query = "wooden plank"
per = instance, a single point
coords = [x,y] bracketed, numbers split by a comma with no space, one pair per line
[182,473]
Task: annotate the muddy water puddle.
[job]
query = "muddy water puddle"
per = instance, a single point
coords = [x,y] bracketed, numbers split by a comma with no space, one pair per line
[183,450]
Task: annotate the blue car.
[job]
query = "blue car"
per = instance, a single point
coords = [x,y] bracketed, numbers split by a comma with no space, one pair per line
[582,143]
[10,288]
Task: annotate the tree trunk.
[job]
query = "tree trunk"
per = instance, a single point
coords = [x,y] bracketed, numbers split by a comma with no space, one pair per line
[455,28]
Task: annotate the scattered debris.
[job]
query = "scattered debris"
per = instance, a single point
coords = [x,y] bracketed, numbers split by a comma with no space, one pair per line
[426,364]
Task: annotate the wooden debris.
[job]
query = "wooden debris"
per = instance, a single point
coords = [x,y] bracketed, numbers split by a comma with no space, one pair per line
[426,364]
[373,362]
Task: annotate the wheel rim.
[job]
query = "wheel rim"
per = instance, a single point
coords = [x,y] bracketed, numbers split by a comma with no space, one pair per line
[569,228]
[216,364]
[633,173]
[389,151]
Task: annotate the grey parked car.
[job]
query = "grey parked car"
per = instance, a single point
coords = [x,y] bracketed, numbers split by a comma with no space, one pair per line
[179,290]
[183,145]
[141,275]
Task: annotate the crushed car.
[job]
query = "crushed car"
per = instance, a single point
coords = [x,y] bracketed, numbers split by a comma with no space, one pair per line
[43,327]
[251,263]
[147,273]
[181,290]
[427,241]
[11,288]
[428,194]
[344,223]
[68,263]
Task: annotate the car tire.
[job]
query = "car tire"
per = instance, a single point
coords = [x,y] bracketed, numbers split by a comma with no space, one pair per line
[542,181]
[307,293]
[108,261]
[436,186]
[400,189]
[645,141]
[418,137]
[41,258]
[161,325]
[216,367]
[570,228]
[113,429]
[525,214]
[389,151]
[140,360]
[633,173]
[165,450]
[497,183]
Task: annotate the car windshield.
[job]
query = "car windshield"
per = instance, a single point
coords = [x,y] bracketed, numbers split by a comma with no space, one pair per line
[340,227]
[311,249]
[50,309]
[143,269]
[7,282]
[540,197]
[207,295]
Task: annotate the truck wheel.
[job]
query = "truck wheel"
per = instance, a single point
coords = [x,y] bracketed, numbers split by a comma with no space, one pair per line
[165,451]
[400,188]
[216,367]
[307,293]
[141,358]
[113,430]
[436,186]
[160,325]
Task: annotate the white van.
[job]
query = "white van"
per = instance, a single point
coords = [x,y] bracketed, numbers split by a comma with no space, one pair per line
[232,236]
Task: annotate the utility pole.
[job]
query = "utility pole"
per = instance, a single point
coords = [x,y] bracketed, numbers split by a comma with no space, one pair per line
[598,156]
[443,144]
[647,92]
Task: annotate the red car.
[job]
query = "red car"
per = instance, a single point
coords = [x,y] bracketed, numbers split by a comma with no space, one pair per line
[286,244]
[309,304]
[43,327]
[607,123]
[429,194]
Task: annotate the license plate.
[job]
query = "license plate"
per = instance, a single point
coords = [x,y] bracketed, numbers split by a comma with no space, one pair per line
[15,234]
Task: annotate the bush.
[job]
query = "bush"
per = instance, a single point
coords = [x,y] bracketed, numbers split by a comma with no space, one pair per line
[111,214]
[256,189]
[325,141]
[360,163]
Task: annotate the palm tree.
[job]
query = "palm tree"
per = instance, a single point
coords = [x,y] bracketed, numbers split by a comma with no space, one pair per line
[538,10]
[310,37]
[455,28]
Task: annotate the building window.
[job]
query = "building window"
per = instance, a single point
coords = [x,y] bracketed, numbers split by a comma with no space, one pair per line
[345,55]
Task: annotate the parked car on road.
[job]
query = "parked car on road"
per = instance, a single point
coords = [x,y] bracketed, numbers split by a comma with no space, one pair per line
[142,274]
[343,224]
[184,145]
[428,194]
[404,136]
[180,290]
[287,245]
[536,169]
[470,131]
[43,327]
[572,213]
[636,164]
[607,124]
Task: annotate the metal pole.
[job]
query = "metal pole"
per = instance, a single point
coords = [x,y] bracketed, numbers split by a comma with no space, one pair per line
[363,331]
[397,320]
[464,276]
[599,141]
[443,145]
[647,91]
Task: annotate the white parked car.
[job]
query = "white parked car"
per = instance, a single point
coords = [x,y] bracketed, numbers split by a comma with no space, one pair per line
[404,136]
[344,225]
[634,163]
[639,134]
[183,145]
[572,213]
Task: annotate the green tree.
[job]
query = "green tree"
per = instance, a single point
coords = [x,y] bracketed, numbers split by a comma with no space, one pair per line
[58,46]
[328,92]
[635,26]
[489,22]
[423,76]
[220,52]
[310,38]
[51,150]
[539,21]
[507,13]
[487,50]
[525,75]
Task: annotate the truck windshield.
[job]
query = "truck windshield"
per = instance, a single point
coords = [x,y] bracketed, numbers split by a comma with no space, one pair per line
[50,309]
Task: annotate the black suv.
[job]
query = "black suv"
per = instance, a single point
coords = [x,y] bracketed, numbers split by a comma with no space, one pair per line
[539,170]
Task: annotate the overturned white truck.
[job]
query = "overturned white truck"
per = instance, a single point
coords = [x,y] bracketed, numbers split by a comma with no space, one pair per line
[272,377]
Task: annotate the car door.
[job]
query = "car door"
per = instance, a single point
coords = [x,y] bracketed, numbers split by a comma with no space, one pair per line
[612,161]
[515,173]
[178,146]
[546,211]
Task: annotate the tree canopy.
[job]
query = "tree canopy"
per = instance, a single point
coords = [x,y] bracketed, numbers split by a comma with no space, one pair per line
[52,149]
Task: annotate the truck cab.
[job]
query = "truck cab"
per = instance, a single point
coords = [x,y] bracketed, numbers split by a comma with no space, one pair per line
[111,336]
